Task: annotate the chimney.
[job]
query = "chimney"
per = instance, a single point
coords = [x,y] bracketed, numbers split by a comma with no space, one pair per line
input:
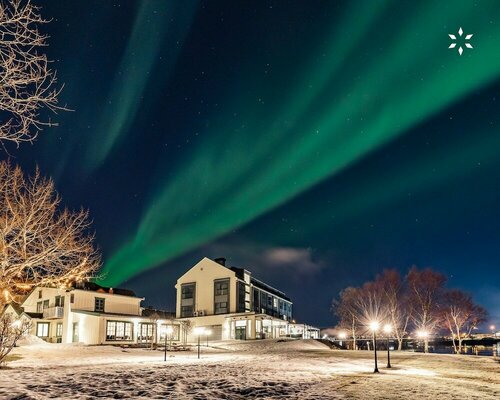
[221,261]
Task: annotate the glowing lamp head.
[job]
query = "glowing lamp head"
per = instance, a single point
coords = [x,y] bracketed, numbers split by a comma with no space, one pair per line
[387,328]
[374,325]
[169,330]
[422,334]
[199,330]
[492,327]
[342,335]
[208,332]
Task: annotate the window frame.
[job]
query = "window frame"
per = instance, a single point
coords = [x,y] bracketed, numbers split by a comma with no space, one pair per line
[43,324]
[99,300]
[113,337]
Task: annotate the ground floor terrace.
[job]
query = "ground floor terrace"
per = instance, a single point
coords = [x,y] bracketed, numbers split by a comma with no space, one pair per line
[248,326]
[271,369]
[93,328]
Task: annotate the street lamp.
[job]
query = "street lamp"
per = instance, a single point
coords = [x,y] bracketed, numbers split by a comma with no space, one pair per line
[208,332]
[374,325]
[167,330]
[198,331]
[387,331]
[342,336]
[492,328]
[423,335]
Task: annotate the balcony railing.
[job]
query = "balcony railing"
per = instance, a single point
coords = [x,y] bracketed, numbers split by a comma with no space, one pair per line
[53,312]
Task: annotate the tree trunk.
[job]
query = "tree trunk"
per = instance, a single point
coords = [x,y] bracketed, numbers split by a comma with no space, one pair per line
[354,344]
[426,345]
[400,344]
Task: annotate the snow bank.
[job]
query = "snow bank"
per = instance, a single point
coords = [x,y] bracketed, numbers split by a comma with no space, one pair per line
[272,345]
[31,340]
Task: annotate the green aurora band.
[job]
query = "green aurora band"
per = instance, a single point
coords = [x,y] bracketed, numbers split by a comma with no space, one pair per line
[157,24]
[342,109]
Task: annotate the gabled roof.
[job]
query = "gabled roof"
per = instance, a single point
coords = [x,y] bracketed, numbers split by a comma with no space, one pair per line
[94,287]
[16,307]
[204,261]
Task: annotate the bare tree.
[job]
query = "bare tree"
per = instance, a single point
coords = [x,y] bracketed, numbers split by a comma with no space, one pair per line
[395,297]
[11,330]
[370,304]
[459,315]
[345,308]
[426,288]
[40,245]
[27,83]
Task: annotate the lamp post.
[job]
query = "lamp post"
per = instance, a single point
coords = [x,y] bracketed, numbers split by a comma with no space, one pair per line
[198,331]
[374,327]
[492,328]
[387,331]
[423,334]
[208,332]
[167,331]
[342,336]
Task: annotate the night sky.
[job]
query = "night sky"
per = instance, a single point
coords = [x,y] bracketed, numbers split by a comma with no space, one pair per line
[312,142]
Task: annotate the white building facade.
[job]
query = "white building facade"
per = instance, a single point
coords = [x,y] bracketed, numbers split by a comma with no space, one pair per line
[91,314]
[231,304]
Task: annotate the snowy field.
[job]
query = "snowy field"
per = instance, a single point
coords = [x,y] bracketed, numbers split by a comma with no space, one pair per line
[267,369]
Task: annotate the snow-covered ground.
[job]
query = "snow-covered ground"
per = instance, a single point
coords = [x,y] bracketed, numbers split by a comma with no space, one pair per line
[268,369]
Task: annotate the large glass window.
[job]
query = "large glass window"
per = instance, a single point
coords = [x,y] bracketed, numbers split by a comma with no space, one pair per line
[256,300]
[221,308]
[59,329]
[221,287]
[146,332]
[39,307]
[118,330]
[242,303]
[221,296]
[188,292]
[99,304]
[174,336]
[59,301]
[45,304]
[42,329]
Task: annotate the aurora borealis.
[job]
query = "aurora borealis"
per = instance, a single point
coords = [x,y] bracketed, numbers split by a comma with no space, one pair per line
[346,131]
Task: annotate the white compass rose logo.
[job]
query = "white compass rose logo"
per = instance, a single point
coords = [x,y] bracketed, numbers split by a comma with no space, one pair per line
[464,40]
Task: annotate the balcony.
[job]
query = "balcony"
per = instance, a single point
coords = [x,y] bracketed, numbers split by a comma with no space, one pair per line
[53,313]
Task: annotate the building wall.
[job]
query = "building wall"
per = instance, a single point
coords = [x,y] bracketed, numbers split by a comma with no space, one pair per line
[204,273]
[85,300]
[30,304]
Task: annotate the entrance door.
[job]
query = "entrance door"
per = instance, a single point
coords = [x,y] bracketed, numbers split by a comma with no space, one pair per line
[75,332]
[240,333]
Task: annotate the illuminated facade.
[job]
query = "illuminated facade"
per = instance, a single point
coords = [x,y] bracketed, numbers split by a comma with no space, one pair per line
[91,314]
[231,304]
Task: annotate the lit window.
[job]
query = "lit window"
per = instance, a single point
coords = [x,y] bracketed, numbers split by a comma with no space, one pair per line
[42,329]
[118,330]
[59,329]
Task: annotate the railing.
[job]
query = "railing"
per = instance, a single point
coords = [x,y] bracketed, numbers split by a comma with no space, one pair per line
[53,312]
